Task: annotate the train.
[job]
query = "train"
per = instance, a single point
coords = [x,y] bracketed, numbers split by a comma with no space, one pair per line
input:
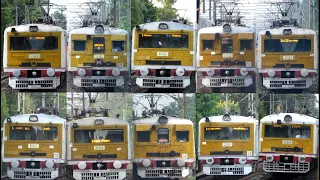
[227,145]
[289,143]
[163,148]
[287,56]
[226,56]
[34,56]
[98,56]
[98,148]
[163,54]
[34,146]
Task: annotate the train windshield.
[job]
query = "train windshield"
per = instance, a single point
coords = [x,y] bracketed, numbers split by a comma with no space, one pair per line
[163,135]
[99,136]
[98,44]
[287,131]
[34,43]
[227,44]
[33,133]
[227,133]
[287,45]
[180,41]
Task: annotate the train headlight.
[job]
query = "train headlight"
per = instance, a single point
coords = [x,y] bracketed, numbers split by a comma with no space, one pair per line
[287,118]
[99,29]
[226,28]
[242,160]
[302,159]
[115,72]
[144,71]
[243,71]
[226,117]
[304,72]
[210,161]
[51,72]
[180,71]
[210,72]
[117,164]
[15,163]
[269,158]
[82,165]
[181,162]
[271,73]
[82,72]
[49,164]
[146,162]
[16,73]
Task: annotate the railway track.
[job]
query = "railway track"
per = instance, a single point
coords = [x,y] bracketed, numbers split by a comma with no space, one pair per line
[4,76]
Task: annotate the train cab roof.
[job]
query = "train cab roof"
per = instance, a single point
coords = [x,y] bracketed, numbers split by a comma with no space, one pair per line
[294,31]
[295,118]
[232,119]
[91,31]
[234,30]
[40,28]
[170,121]
[36,118]
[167,25]
[106,121]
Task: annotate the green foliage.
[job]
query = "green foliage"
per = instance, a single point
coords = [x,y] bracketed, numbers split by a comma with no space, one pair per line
[206,104]
[4,108]
[233,107]
[167,12]
[61,19]
[141,10]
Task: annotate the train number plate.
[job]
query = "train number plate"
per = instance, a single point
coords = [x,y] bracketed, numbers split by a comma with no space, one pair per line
[286,142]
[228,144]
[162,54]
[99,148]
[288,58]
[34,56]
[98,56]
[227,55]
[33,145]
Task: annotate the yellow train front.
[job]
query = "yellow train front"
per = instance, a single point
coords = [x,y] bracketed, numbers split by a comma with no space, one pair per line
[98,56]
[227,145]
[163,148]
[287,56]
[226,56]
[34,55]
[289,143]
[98,148]
[163,54]
[34,146]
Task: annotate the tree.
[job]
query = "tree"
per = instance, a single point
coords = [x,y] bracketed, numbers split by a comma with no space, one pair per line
[167,13]
[4,108]
[233,107]
[205,105]
[60,19]
[141,10]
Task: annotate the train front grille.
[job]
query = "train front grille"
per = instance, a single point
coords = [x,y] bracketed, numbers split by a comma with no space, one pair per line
[227,170]
[286,167]
[154,173]
[25,173]
[105,82]
[173,83]
[93,175]
[235,82]
[41,83]
[296,84]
